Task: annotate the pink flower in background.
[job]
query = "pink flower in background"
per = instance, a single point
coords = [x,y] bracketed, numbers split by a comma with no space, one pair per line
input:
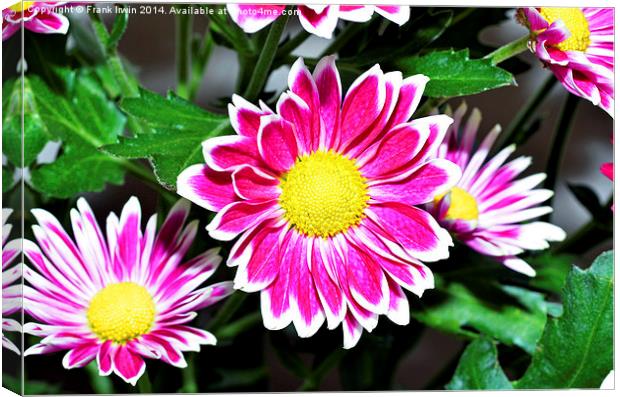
[11,294]
[489,209]
[323,195]
[37,16]
[577,44]
[607,169]
[320,20]
[119,298]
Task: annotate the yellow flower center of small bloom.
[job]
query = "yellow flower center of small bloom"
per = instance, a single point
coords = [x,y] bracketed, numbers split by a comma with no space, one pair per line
[121,312]
[577,24]
[323,194]
[17,7]
[462,205]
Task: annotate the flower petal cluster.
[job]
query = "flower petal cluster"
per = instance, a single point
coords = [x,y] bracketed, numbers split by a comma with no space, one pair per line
[118,297]
[577,44]
[489,209]
[320,20]
[11,292]
[37,16]
[324,195]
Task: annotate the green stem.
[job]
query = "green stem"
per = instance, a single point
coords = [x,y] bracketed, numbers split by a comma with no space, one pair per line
[562,132]
[233,34]
[144,384]
[430,104]
[233,329]
[127,85]
[227,311]
[100,384]
[509,50]
[344,37]
[147,177]
[513,133]
[292,44]
[199,63]
[190,385]
[184,25]
[265,59]
[313,381]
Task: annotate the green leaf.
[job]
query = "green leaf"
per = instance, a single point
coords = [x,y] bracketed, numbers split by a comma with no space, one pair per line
[177,130]
[168,113]
[512,315]
[576,350]
[453,73]
[35,135]
[8,179]
[479,369]
[551,271]
[84,119]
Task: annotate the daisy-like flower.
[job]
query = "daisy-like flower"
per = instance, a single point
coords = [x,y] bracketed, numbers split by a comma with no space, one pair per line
[323,195]
[37,16]
[577,44]
[119,298]
[320,20]
[489,208]
[11,294]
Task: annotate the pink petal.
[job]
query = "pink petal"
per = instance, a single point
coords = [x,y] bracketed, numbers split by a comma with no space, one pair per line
[330,95]
[250,183]
[329,292]
[305,123]
[396,14]
[48,22]
[254,17]
[105,357]
[367,282]
[420,186]
[277,143]
[362,104]
[306,306]
[352,331]
[413,230]
[409,97]
[209,189]
[398,310]
[129,366]
[321,23]
[244,117]
[226,153]
[80,356]
[237,217]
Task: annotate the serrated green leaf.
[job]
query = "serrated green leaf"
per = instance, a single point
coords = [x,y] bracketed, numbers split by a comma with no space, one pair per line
[576,350]
[478,369]
[35,135]
[170,113]
[84,119]
[78,169]
[512,315]
[177,130]
[453,73]
[551,271]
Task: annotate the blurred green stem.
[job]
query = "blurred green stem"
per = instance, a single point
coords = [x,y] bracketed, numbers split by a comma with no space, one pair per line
[100,384]
[265,59]
[512,132]
[184,24]
[199,63]
[227,311]
[233,329]
[562,132]
[144,383]
[313,381]
[190,384]
[344,37]
[147,177]
[509,50]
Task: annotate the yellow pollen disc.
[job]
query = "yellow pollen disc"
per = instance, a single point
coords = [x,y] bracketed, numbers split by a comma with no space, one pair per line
[577,24]
[121,312]
[17,7]
[323,194]
[462,205]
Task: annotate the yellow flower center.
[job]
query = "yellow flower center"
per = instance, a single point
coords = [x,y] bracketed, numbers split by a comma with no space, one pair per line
[577,24]
[324,194]
[17,7]
[462,205]
[121,312]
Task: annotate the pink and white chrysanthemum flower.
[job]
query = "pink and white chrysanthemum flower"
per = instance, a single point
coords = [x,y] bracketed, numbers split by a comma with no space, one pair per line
[489,209]
[11,294]
[122,297]
[323,193]
[37,16]
[577,44]
[320,20]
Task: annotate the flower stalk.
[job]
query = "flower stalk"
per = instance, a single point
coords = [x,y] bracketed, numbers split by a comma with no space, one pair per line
[509,50]
[184,24]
